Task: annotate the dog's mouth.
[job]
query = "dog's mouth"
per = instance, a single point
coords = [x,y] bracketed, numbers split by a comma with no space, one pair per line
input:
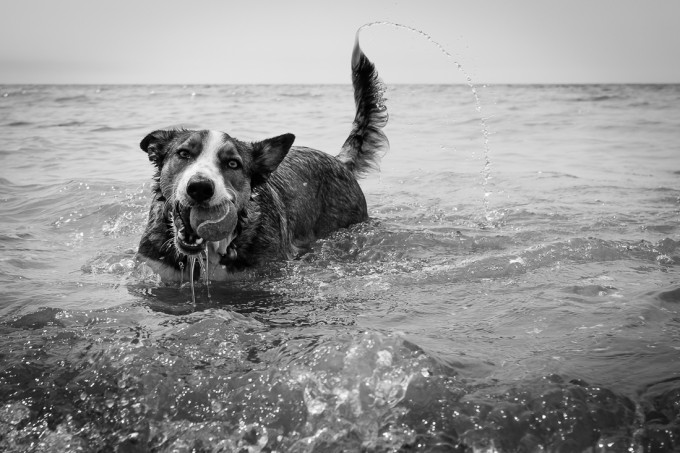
[194,226]
[186,239]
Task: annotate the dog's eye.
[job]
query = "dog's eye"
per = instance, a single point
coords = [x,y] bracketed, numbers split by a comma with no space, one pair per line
[233,164]
[183,154]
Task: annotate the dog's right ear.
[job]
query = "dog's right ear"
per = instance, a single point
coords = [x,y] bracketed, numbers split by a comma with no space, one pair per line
[156,145]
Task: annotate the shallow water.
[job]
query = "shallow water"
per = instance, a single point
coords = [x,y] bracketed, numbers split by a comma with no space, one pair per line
[532,304]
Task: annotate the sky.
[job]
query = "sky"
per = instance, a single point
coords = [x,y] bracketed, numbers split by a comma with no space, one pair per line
[310,41]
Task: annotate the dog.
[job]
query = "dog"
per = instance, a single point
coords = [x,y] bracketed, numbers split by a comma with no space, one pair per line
[284,196]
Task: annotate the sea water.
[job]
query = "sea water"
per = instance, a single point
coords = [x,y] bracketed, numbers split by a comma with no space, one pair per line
[516,289]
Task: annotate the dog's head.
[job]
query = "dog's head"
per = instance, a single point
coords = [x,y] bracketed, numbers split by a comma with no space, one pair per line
[199,172]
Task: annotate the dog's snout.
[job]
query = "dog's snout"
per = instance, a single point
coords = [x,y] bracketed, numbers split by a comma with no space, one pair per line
[200,189]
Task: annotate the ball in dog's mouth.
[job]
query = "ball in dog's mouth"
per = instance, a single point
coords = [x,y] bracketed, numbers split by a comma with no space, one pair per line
[196,225]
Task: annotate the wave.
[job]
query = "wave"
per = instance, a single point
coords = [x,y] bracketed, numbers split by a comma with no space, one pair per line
[306,94]
[76,99]
[19,123]
[68,124]
[598,98]
[127,127]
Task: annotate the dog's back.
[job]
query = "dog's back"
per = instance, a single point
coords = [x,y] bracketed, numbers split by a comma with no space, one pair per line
[310,195]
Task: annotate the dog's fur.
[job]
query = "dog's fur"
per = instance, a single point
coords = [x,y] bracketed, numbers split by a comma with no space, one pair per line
[286,196]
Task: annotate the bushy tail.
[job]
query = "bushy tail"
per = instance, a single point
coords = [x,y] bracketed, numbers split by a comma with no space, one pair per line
[366,142]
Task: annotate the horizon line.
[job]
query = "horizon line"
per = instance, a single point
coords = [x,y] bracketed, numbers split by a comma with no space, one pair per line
[477,84]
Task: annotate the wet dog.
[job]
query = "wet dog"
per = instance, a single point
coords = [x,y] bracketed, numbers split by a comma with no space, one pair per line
[280,197]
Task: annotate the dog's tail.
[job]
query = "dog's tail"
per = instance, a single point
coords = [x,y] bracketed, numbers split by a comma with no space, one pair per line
[366,142]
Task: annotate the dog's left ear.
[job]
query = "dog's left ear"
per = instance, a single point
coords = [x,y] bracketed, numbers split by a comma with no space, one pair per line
[156,144]
[267,155]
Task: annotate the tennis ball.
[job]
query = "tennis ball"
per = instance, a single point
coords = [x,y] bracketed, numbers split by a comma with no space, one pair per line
[214,224]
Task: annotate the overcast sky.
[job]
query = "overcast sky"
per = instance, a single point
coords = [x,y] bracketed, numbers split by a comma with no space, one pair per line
[310,41]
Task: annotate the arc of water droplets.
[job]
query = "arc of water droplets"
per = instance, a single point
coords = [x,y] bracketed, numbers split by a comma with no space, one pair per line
[486,170]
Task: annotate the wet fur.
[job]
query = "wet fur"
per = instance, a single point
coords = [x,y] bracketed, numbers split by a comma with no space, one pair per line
[287,196]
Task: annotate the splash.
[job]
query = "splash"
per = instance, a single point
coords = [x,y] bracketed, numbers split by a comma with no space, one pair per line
[486,169]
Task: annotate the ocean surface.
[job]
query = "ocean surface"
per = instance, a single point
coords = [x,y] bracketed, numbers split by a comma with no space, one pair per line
[517,288]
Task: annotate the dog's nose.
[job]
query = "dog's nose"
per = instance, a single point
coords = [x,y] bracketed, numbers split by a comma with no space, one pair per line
[200,189]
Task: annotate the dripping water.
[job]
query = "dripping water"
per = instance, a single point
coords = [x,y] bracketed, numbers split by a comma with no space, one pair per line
[486,169]
[205,266]
[203,263]
[192,262]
